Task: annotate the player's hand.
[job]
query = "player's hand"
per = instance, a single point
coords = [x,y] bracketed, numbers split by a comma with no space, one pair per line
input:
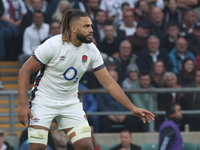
[23,112]
[143,114]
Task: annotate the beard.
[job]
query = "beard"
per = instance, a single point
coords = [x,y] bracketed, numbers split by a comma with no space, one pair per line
[83,38]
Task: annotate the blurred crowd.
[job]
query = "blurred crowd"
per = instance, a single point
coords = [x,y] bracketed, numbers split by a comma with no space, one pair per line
[144,44]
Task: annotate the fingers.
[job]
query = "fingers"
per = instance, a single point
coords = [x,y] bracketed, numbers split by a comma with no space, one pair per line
[22,120]
[149,113]
[143,119]
[147,118]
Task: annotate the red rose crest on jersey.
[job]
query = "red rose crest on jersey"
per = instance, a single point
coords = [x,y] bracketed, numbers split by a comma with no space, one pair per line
[85,117]
[84,58]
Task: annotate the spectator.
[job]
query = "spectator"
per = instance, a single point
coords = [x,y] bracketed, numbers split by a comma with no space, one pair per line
[142,10]
[139,39]
[1,8]
[187,73]
[37,5]
[179,53]
[98,26]
[186,27]
[179,98]
[24,137]
[169,133]
[54,29]
[197,14]
[125,139]
[27,19]
[112,7]
[173,14]
[158,3]
[77,4]
[157,74]
[107,103]
[110,63]
[132,78]
[91,7]
[164,98]
[198,61]
[158,28]
[119,20]
[7,32]
[3,144]
[142,100]
[33,36]
[185,4]
[110,43]
[128,27]
[195,100]
[123,58]
[13,11]
[90,105]
[61,8]
[148,57]
[193,42]
[171,37]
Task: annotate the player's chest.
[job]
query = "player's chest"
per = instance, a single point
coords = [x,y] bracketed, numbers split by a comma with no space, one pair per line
[76,59]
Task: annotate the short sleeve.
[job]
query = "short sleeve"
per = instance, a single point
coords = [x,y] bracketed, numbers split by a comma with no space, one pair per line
[44,53]
[97,60]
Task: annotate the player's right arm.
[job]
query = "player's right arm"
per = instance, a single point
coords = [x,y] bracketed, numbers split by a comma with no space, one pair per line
[29,67]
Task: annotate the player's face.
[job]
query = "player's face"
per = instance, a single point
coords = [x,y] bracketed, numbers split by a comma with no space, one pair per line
[84,30]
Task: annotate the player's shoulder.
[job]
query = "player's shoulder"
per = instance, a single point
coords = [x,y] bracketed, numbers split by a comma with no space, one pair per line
[90,46]
[55,40]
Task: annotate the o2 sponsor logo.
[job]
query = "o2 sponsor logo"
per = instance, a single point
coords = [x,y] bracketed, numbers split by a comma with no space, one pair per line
[72,69]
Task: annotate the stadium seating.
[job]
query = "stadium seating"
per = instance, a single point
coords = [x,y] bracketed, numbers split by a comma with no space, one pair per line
[112,146]
[15,147]
[189,146]
[104,147]
[149,146]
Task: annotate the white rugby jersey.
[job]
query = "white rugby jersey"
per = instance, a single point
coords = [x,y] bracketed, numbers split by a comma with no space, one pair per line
[63,67]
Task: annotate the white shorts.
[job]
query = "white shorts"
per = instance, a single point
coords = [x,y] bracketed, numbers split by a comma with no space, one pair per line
[66,115]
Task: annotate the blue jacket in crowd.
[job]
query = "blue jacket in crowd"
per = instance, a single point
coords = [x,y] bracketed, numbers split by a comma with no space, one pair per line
[145,61]
[177,61]
[89,104]
[107,103]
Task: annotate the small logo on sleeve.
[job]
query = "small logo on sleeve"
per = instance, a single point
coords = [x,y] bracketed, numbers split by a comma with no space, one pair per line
[62,58]
[84,58]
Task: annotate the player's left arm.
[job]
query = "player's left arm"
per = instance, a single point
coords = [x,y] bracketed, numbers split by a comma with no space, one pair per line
[115,90]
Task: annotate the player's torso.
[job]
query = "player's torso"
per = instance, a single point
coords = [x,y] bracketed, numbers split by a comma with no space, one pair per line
[65,69]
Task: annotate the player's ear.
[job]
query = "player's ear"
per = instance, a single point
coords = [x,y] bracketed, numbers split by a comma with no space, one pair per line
[73,29]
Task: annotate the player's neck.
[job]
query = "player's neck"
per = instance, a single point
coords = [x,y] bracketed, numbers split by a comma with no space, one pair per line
[75,42]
